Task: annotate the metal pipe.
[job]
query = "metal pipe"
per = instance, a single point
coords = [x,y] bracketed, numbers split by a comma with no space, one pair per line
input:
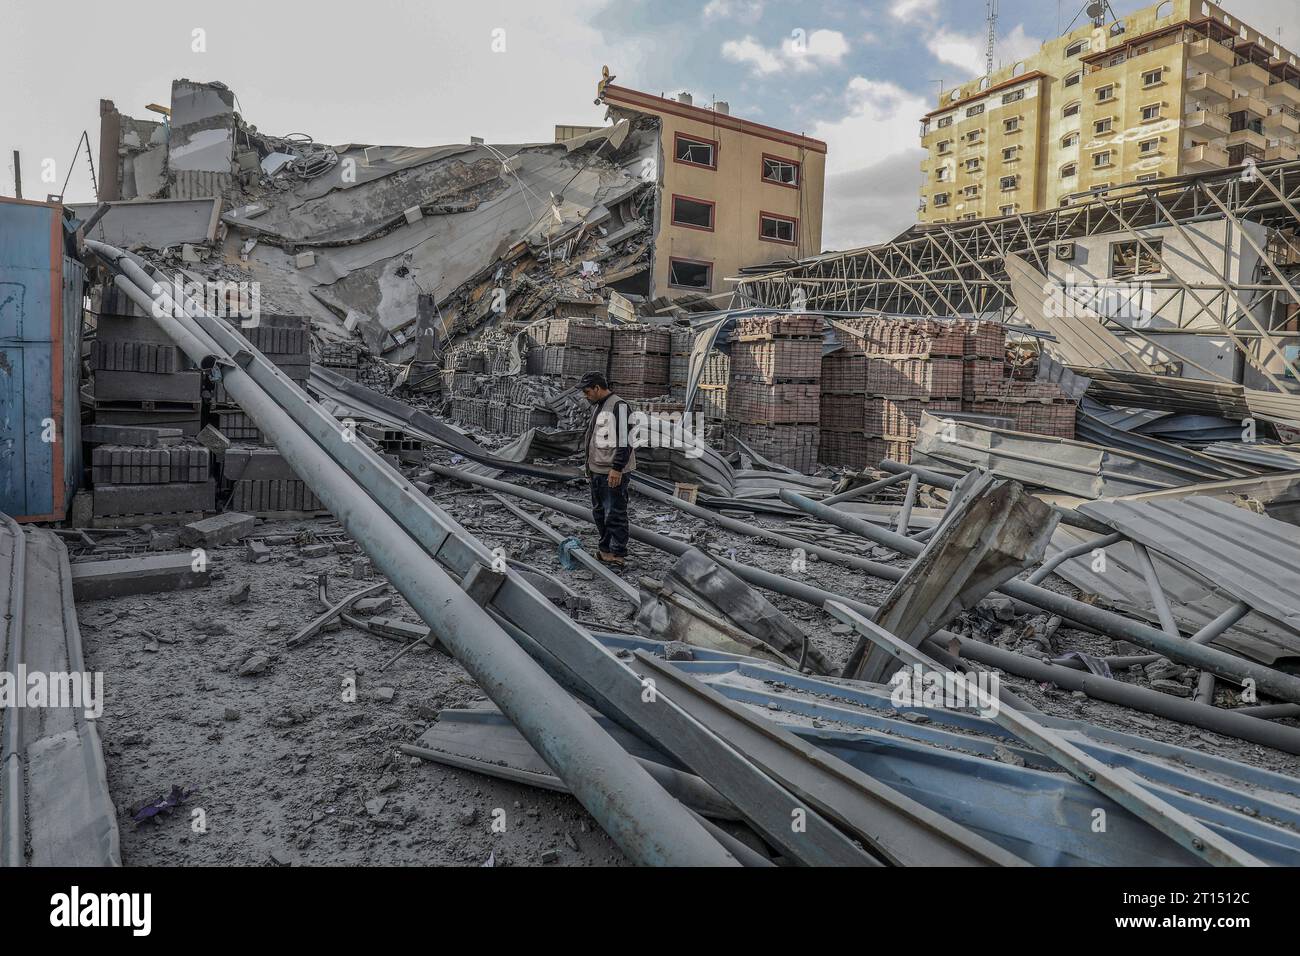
[863,490]
[1221,623]
[1274,683]
[1158,599]
[874,568]
[1083,547]
[618,792]
[909,500]
[1231,723]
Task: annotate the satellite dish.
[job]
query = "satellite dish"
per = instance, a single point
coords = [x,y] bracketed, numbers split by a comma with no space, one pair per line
[1096,10]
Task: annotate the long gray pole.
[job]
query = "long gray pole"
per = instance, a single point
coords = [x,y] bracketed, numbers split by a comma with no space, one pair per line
[638,814]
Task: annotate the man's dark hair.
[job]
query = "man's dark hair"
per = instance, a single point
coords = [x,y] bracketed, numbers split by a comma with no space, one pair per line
[594,380]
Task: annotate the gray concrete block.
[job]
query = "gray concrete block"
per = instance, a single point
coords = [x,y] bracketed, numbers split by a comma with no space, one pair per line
[151,574]
[113,500]
[139,436]
[217,530]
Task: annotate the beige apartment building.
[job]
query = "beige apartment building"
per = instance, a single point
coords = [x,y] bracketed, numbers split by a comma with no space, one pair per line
[1178,87]
[733,192]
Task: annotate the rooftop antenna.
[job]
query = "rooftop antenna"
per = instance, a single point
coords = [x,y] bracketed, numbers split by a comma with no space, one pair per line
[993,32]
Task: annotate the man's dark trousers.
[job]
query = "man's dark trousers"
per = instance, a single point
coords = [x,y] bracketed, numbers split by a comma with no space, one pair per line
[609,509]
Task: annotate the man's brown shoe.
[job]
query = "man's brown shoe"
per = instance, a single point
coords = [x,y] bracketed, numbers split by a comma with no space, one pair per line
[608,557]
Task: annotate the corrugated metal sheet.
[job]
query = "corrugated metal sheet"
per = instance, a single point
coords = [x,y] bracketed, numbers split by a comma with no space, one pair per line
[1251,556]
[1275,457]
[1072,467]
[1081,337]
[1092,429]
[1194,601]
[40,328]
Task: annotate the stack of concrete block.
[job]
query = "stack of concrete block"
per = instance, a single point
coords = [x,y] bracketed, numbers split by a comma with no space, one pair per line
[682,340]
[774,402]
[843,439]
[575,346]
[139,377]
[260,482]
[912,366]
[985,358]
[343,358]
[1040,408]
[161,480]
[285,341]
[639,361]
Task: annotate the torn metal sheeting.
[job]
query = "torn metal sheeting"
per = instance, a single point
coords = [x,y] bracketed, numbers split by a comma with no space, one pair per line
[1073,467]
[1252,557]
[1118,784]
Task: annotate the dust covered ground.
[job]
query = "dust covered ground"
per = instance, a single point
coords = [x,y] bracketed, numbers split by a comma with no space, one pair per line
[204,694]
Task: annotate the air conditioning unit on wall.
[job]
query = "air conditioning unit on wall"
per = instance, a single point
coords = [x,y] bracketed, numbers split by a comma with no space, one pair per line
[1063,251]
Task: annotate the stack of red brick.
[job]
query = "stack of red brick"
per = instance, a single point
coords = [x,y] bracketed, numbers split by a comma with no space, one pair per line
[773,401]
[843,399]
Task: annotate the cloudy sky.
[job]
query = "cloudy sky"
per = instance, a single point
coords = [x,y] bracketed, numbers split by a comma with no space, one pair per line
[856,73]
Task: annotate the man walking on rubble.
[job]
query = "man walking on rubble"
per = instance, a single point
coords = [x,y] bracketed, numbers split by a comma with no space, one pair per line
[610,460]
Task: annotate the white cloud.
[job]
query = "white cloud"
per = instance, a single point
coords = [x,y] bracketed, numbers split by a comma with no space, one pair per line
[908,10]
[873,163]
[799,52]
[747,11]
[967,50]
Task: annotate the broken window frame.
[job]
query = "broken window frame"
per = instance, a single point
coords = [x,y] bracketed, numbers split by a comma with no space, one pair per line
[1013,179]
[675,283]
[712,207]
[779,220]
[1130,260]
[795,165]
[712,144]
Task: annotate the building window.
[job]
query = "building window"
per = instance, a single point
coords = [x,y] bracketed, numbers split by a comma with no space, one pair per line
[972,165]
[1007,210]
[1101,159]
[1070,141]
[1077,47]
[1007,183]
[941,174]
[1106,93]
[1011,125]
[1116,60]
[1074,78]
[970,192]
[945,146]
[1069,170]
[1102,126]
[783,172]
[969,217]
[774,228]
[1151,112]
[1147,178]
[944,121]
[973,136]
[1153,77]
[692,213]
[1013,97]
[1009,154]
[690,274]
[975,110]
[1149,145]
[941,199]
[695,152]
[1129,260]
[1071,109]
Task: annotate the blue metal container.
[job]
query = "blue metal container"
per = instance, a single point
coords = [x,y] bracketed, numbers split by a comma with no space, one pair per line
[40,359]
